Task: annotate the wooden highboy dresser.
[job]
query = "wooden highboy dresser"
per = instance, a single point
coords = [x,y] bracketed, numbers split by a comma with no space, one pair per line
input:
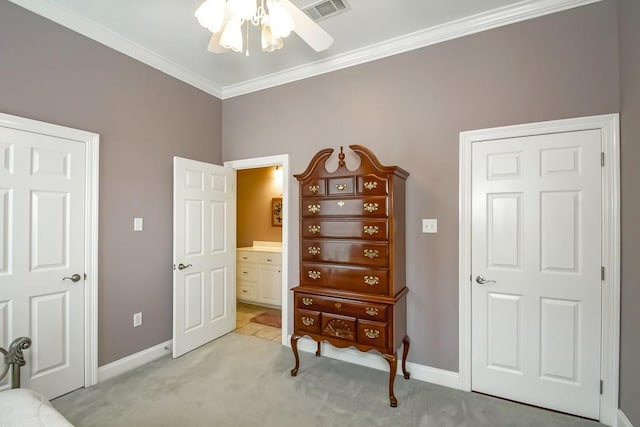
[352,288]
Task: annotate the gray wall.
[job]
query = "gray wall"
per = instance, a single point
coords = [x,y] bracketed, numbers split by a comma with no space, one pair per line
[410,108]
[144,118]
[629,23]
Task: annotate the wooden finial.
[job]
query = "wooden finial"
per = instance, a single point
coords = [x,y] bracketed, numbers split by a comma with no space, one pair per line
[341,162]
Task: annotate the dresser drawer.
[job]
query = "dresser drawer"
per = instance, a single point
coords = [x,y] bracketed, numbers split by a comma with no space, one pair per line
[313,188]
[372,333]
[343,327]
[370,254]
[371,185]
[259,257]
[271,258]
[341,186]
[246,291]
[247,272]
[374,207]
[346,307]
[246,256]
[369,229]
[348,278]
[307,320]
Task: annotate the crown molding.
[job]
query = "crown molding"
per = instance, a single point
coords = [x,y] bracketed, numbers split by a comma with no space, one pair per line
[91,29]
[527,9]
[473,24]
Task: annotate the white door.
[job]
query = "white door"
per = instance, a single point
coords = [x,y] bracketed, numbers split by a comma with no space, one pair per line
[536,260]
[42,200]
[203,253]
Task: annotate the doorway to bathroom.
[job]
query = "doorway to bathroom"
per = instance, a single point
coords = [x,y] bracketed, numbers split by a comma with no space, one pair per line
[261,229]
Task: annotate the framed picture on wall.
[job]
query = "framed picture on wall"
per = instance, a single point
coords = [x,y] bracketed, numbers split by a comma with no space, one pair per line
[276,212]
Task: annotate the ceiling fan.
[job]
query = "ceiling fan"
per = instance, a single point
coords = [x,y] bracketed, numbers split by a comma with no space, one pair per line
[277,18]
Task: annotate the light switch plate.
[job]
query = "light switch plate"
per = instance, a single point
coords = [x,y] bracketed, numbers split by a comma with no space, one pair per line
[429,225]
[137,319]
[138,224]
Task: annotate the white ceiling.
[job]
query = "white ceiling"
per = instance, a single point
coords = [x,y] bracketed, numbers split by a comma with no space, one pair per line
[166,35]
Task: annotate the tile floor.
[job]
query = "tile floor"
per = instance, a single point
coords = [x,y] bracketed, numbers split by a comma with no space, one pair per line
[244,325]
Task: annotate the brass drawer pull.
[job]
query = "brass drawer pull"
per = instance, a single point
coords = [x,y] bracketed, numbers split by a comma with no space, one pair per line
[370,185]
[371,333]
[341,187]
[308,321]
[340,203]
[371,229]
[314,188]
[337,305]
[314,229]
[372,311]
[371,280]
[314,208]
[307,301]
[315,275]
[314,250]
[370,207]
[371,253]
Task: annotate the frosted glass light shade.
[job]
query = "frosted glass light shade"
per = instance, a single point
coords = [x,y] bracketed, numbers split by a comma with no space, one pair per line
[280,21]
[243,9]
[270,43]
[232,36]
[210,14]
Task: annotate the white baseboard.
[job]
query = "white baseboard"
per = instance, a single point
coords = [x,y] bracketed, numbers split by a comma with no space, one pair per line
[623,421]
[133,361]
[370,360]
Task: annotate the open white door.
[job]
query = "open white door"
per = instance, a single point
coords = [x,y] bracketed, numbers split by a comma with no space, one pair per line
[203,253]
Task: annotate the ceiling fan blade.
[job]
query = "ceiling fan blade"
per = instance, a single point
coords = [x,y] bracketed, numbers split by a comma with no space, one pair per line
[308,30]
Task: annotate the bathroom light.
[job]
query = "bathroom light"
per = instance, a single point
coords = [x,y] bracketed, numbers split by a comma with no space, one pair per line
[278,179]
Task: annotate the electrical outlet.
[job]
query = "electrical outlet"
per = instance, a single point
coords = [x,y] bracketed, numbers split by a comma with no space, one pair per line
[429,225]
[137,319]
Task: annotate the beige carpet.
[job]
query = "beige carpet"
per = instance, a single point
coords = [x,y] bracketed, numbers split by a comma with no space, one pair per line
[244,381]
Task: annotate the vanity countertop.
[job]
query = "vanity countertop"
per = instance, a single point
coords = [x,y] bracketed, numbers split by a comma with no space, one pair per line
[261,246]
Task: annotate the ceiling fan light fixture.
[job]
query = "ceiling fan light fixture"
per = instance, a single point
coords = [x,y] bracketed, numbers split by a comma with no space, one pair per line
[210,14]
[243,9]
[279,19]
[269,42]
[231,37]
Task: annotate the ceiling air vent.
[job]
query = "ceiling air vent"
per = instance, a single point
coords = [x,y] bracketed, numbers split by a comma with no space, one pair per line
[325,9]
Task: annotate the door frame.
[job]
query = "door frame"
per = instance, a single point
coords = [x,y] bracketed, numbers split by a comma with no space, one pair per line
[610,339]
[92,152]
[283,161]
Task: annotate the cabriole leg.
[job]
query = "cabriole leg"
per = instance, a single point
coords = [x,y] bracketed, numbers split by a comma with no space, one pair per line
[406,342]
[294,348]
[393,367]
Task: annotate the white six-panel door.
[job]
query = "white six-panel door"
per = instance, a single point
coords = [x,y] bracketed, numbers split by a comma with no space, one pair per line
[42,200]
[204,253]
[536,260]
